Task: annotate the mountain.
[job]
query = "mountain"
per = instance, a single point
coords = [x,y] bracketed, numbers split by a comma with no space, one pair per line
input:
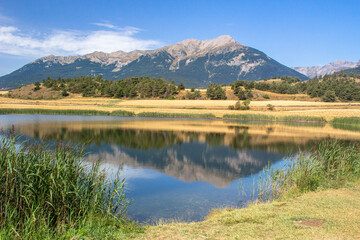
[193,62]
[354,70]
[329,68]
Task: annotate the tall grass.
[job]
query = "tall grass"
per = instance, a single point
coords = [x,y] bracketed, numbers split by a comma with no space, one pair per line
[250,117]
[346,120]
[273,118]
[64,112]
[331,164]
[175,115]
[346,123]
[47,194]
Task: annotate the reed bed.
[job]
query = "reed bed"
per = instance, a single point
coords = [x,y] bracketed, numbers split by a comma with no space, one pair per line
[347,120]
[175,115]
[64,112]
[47,194]
[346,123]
[331,164]
[275,118]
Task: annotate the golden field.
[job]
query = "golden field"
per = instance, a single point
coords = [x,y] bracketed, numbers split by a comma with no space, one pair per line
[217,107]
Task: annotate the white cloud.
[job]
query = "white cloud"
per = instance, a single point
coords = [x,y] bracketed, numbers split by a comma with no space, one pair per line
[4,18]
[15,42]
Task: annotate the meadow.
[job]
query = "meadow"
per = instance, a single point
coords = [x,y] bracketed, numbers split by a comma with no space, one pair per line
[219,108]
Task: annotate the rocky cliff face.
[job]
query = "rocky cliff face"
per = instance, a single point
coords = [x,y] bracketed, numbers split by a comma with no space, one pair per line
[193,62]
[326,69]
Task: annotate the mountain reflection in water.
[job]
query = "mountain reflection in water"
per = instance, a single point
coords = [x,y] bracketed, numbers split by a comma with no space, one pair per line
[178,168]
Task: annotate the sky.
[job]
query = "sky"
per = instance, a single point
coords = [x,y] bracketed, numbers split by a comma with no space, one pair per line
[293,32]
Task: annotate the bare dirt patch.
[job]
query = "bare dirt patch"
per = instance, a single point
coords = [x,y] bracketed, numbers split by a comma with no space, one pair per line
[310,223]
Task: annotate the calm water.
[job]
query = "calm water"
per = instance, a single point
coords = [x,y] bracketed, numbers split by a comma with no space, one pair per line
[178,169]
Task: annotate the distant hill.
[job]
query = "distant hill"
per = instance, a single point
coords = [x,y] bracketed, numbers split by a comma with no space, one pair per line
[329,68]
[195,63]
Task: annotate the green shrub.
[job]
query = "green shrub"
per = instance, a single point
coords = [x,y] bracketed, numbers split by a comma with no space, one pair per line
[329,96]
[270,107]
[266,96]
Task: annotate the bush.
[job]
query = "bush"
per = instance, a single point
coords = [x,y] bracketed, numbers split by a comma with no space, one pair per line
[193,95]
[181,87]
[329,96]
[37,86]
[266,96]
[64,93]
[215,92]
[270,107]
[237,105]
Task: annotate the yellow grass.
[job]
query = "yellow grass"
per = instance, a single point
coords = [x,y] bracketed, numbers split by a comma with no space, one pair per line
[216,107]
[336,214]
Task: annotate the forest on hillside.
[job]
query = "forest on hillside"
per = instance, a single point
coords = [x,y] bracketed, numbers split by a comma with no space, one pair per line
[329,88]
[145,87]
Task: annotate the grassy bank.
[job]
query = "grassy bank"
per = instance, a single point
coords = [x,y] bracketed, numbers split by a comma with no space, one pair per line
[316,196]
[274,118]
[331,164]
[327,214]
[64,112]
[52,194]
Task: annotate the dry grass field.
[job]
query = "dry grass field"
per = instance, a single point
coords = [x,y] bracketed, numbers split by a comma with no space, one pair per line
[217,107]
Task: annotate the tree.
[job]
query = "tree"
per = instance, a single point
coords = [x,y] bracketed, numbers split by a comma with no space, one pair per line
[329,96]
[214,91]
[37,86]
[64,93]
[181,87]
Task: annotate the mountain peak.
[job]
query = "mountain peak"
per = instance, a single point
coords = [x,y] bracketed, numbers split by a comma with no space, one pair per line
[193,62]
[223,39]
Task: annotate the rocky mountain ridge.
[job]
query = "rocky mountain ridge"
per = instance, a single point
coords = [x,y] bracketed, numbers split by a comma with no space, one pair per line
[329,68]
[196,63]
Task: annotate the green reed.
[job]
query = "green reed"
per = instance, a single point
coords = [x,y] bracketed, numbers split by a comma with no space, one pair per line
[52,193]
[273,118]
[175,115]
[346,123]
[331,164]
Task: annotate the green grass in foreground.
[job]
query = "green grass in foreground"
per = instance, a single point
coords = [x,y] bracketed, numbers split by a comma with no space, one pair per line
[273,118]
[53,194]
[176,115]
[64,112]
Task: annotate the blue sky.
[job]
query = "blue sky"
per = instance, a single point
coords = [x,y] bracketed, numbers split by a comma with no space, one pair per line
[295,33]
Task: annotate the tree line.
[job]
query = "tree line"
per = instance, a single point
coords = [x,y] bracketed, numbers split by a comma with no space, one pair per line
[330,87]
[144,87]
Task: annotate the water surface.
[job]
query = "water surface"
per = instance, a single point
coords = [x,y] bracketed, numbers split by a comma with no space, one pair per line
[178,168]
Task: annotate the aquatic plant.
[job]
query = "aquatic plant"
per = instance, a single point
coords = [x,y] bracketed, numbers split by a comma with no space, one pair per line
[47,193]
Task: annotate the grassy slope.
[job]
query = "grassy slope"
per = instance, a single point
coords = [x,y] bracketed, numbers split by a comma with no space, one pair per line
[338,209]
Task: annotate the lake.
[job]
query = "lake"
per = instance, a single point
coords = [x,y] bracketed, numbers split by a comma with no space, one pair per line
[179,168]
